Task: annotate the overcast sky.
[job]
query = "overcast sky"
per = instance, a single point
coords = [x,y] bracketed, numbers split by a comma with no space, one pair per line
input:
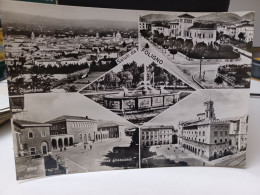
[47,106]
[68,12]
[227,103]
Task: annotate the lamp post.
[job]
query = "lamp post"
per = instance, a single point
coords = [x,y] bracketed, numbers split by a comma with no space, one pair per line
[200,66]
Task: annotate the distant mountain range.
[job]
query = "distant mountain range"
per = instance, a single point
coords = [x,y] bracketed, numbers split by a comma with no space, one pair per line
[220,17]
[27,19]
[249,16]
[212,17]
[158,17]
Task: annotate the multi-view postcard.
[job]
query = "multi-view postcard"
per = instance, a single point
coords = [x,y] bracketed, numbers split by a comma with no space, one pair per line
[96,89]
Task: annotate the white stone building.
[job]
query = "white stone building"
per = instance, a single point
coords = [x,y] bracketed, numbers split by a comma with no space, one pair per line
[144,25]
[206,136]
[158,135]
[246,29]
[206,35]
[161,29]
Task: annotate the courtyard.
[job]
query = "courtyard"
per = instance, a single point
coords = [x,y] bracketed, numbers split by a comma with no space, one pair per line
[175,155]
[92,157]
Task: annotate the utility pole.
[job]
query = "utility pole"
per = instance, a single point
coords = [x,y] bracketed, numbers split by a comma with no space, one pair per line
[200,67]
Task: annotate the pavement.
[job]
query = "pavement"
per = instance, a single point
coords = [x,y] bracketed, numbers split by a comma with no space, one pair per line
[78,159]
[178,153]
[185,69]
[170,66]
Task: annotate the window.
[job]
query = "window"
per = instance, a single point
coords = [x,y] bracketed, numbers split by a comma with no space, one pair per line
[215,133]
[43,134]
[25,146]
[30,135]
[226,133]
[220,140]
[215,141]
[33,151]
[221,133]
[203,133]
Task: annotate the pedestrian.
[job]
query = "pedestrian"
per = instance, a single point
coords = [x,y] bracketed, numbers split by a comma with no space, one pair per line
[85,147]
[65,148]
[90,147]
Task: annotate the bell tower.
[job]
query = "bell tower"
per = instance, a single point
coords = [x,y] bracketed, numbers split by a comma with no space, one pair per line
[209,109]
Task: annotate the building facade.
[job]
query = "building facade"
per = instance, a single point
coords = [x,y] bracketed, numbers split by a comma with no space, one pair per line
[34,138]
[31,138]
[206,136]
[205,35]
[245,31]
[144,26]
[108,130]
[185,22]
[70,130]
[158,135]
[238,133]
[161,29]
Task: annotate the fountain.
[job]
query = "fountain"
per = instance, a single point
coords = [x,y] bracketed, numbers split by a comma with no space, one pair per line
[144,99]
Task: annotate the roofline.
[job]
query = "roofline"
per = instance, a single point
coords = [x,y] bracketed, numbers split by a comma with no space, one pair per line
[199,28]
[31,125]
[71,120]
[182,16]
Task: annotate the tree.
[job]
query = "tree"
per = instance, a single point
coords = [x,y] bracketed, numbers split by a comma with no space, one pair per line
[156,34]
[126,78]
[124,44]
[219,80]
[241,36]
[179,43]
[71,88]
[93,66]
[173,52]
[134,145]
[200,47]
[145,33]
[160,41]
[146,46]
[188,44]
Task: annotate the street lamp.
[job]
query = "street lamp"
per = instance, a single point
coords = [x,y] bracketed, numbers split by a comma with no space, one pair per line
[200,66]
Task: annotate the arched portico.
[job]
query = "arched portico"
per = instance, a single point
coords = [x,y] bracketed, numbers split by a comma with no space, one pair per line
[54,143]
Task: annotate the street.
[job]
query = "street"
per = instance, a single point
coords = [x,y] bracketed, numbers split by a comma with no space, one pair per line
[78,159]
[187,70]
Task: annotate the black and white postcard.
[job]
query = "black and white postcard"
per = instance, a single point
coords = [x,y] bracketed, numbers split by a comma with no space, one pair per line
[94,89]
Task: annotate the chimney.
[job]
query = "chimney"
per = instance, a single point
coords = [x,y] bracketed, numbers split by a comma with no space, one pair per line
[86,117]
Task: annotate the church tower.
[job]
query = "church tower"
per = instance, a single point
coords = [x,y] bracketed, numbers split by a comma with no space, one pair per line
[32,35]
[209,109]
[97,35]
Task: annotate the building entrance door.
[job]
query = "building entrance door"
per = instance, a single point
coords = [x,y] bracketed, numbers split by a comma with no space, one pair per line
[44,148]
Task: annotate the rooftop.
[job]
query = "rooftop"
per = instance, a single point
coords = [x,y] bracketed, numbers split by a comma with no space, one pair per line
[67,117]
[25,123]
[186,16]
[159,127]
[106,124]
